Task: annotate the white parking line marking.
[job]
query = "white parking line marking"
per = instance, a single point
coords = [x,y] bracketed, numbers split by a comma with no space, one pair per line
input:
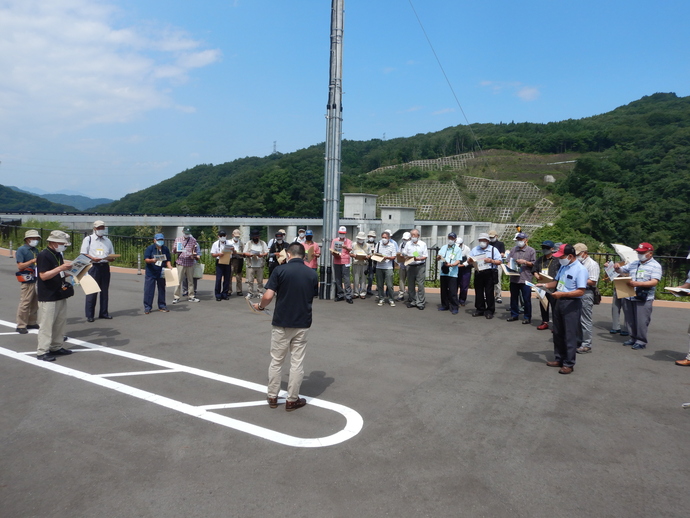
[353,425]
[237,405]
[136,373]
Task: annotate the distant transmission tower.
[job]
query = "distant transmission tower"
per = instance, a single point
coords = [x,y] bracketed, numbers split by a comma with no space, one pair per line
[275,147]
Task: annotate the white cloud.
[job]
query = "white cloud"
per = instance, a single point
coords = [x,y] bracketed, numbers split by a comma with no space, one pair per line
[524,92]
[66,64]
[443,111]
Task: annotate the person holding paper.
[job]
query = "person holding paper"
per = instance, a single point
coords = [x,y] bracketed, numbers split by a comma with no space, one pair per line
[686,361]
[294,288]
[645,274]
[384,269]
[525,256]
[255,250]
[53,292]
[450,255]
[312,250]
[274,249]
[545,269]
[415,253]
[342,247]
[237,260]
[222,251]
[402,269]
[186,249]
[26,257]
[99,249]
[360,257]
[486,259]
[464,272]
[156,257]
[570,283]
[593,271]
[371,265]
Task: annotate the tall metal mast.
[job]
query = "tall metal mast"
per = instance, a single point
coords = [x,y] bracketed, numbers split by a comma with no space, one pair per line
[334,123]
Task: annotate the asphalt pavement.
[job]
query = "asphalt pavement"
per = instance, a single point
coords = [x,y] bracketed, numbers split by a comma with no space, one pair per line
[459,416]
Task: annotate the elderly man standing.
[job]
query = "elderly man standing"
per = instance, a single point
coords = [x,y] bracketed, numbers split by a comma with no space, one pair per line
[342,247]
[485,276]
[464,272]
[593,271]
[416,270]
[525,256]
[156,257]
[645,274]
[384,269]
[546,265]
[498,244]
[294,288]
[185,247]
[402,269]
[53,292]
[451,256]
[236,261]
[255,250]
[222,286]
[27,311]
[99,249]
[570,284]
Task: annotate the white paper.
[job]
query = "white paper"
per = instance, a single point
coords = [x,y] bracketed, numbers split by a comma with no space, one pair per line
[172,278]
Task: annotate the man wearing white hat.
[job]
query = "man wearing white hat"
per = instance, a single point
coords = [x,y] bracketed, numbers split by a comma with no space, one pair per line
[342,247]
[487,258]
[360,256]
[53,292]
[99,249]
[27,311]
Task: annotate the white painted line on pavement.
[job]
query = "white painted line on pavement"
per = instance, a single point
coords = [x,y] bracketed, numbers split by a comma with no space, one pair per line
[136,373]
[353,425]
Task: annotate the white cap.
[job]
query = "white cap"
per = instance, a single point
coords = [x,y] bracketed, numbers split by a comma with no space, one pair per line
[98,223]
[407,235]
[342,230]
[459,240]
[483,236]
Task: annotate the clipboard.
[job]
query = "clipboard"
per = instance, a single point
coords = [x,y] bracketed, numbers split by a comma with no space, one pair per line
[678,292]
[378,257]
[87,283]
[508,271]
[225,258]
[622,289]
[172,277]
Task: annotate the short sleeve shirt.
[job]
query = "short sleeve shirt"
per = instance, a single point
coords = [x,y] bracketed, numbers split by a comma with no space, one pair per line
[295,286]
[643,272]
[572,277]
[51,289]
[151,269]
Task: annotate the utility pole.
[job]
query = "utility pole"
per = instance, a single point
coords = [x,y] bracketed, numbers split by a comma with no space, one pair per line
[333,155]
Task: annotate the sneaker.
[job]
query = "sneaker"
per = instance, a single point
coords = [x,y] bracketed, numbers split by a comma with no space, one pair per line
[176,300]
[625,333]
[193,299]
[392,304]
[272,401]
[614,331]
[637,347]
[499,301]
[380,303]
[683,363]
[60,352]
[362,296]
[401,296]
[294,405]
[629,342]
[46,357]
[583,350]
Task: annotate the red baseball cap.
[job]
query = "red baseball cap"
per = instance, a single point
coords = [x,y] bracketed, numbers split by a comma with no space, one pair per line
[644,247]
[565,249]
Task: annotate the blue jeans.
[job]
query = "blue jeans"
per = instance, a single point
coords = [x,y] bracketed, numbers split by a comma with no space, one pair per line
[150,284]
[515,290]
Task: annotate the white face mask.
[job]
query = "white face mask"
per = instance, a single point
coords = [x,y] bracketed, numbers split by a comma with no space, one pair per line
[483,244]
[188,235]
[492,239]
[33,242]
[371,239]
[580,258]
[415,239]
[521,244]
[384,240]
[100,233]
[642,257]
[451,242]
[223,239]
[302,234]
[235,238]
[60,248]
[360,241]
[564,261]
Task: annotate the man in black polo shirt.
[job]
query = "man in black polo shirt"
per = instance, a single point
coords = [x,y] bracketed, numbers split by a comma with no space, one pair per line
[295,286]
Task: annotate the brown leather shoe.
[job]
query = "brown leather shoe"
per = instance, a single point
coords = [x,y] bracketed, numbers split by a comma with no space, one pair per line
[565,370]
[554,364]
[294,405]
[683,363]
[272,401]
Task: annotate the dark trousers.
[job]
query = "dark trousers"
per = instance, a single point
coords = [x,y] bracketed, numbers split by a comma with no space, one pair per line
[449,288]
[101,274]
[638,315]
[516,290]
[341,275]
[371,271]
[222,288]
[150,284]
[484,289]
[464,276]
[545,311]
[566,330]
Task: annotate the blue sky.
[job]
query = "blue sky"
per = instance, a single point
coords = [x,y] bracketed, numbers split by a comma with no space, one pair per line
[109,97]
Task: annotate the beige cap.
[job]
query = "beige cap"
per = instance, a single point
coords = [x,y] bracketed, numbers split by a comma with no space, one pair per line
[361,235]
[281,231]
[580,247]
[32,233]
[371,234]
[58,236]
[493,233]
[236,232]
[98,223]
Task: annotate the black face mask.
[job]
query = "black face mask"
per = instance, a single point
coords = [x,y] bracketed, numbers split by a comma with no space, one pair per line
[309,238]
[546,251]
[255,239]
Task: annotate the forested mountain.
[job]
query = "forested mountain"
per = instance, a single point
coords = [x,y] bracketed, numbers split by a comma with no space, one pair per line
[15,201]
[630,184]
[78,201]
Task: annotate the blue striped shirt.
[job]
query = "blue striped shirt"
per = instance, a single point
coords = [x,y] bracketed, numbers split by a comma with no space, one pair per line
[642,272]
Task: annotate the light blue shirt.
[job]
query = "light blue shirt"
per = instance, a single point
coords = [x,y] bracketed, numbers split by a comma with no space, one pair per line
[490,251]
[451,255]
[572,277]
[643,272]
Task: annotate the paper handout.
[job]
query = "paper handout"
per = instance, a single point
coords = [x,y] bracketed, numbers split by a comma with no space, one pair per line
[622,288]
[172,278]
